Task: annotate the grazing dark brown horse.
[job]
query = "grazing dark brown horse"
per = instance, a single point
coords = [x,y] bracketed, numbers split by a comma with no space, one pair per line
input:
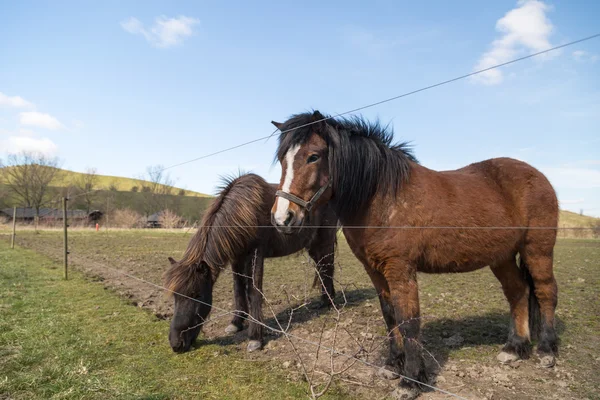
[488,213]
[236,230]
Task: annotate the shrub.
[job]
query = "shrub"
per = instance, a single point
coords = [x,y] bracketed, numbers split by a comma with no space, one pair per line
[168,219]
[127,218]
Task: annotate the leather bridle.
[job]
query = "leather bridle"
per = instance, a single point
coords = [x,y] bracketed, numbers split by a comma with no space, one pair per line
[307,205]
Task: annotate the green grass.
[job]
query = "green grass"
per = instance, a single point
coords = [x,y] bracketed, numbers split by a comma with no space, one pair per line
[470,304]
[74,340]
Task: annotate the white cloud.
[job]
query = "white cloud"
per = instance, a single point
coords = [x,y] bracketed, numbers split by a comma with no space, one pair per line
[525,28]
[34,118]
[14,101]
[584,56]
[77,124]
[367,41]
[133,26]
[573,178]
[166,32]
[17,144]
[576,201]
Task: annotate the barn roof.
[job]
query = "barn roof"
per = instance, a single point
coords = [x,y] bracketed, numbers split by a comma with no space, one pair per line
[29,213]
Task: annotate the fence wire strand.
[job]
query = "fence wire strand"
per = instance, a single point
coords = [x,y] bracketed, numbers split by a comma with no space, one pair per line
[354,110]
[246,316]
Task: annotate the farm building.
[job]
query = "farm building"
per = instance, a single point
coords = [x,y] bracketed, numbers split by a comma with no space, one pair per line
[27,214]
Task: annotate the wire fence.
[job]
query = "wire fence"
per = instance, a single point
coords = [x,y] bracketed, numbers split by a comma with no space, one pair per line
[325,352]
[370,105]
[283,328]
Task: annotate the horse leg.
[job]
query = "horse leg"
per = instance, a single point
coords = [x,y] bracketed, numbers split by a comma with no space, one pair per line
[538,262]
[322,254]
[255,264]
[240,295]
[517,293]
[404,297]
[395,361]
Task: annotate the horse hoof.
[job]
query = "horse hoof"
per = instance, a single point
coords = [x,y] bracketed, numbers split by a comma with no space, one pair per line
[405,393]
[254,345]
[387,372]
[506,357]
[231,329]
[547,360]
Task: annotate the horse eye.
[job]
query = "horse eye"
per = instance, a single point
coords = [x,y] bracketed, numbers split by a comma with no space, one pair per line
[312,158]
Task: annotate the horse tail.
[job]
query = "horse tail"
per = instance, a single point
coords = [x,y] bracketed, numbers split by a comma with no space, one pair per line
[228,228]
[534,306]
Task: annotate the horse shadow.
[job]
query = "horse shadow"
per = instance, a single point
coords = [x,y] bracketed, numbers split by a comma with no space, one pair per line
[296,313]
[439,337]
[442,337]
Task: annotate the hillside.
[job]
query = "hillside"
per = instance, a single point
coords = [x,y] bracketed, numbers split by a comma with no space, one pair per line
[116,192]
[111,192]
[568,218]
[121,184]
[65,178]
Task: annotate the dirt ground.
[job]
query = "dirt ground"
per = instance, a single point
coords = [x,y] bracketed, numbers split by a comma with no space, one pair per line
[464,323]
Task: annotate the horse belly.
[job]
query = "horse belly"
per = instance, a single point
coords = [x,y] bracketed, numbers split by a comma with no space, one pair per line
[468,250]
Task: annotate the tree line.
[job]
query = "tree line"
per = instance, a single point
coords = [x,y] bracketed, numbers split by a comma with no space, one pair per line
[33,180]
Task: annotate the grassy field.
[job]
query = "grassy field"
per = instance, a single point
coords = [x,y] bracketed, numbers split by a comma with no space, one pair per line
[75,340]
[465,316]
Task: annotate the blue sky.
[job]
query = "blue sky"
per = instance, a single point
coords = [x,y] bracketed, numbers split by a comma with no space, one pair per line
[121,85]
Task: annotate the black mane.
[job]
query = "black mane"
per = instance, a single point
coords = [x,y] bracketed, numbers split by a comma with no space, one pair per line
[365,159]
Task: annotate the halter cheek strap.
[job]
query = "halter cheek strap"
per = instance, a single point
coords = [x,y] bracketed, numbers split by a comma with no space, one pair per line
[308,205]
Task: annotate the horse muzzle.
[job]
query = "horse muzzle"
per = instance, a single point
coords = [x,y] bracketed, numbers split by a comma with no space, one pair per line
[289,224]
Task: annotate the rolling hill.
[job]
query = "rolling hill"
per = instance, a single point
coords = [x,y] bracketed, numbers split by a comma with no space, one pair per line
[112,192]
[107,182]
[118,192]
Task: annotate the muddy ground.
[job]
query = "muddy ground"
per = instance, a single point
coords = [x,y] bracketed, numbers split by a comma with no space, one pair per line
[464,323]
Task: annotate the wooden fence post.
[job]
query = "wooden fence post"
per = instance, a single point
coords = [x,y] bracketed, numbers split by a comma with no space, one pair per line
[12,240]
[66,253]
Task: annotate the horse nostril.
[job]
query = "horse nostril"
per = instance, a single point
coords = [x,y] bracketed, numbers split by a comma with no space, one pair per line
[289,219]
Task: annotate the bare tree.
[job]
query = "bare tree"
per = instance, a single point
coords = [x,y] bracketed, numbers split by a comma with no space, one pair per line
[160,182]
[28,176]
[168,219]
[86,184]
[156,189]
[3,192]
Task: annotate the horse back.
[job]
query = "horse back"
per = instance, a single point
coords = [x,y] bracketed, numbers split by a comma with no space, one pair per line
[458,220]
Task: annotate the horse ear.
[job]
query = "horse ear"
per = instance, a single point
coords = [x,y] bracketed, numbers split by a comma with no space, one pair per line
[319,121]
[278,125]
[172,260]
[317,116]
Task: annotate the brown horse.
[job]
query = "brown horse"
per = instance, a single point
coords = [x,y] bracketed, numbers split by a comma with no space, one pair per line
[236,230]
[462,220]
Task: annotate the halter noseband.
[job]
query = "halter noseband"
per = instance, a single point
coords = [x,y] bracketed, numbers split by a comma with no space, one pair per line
[308,205]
